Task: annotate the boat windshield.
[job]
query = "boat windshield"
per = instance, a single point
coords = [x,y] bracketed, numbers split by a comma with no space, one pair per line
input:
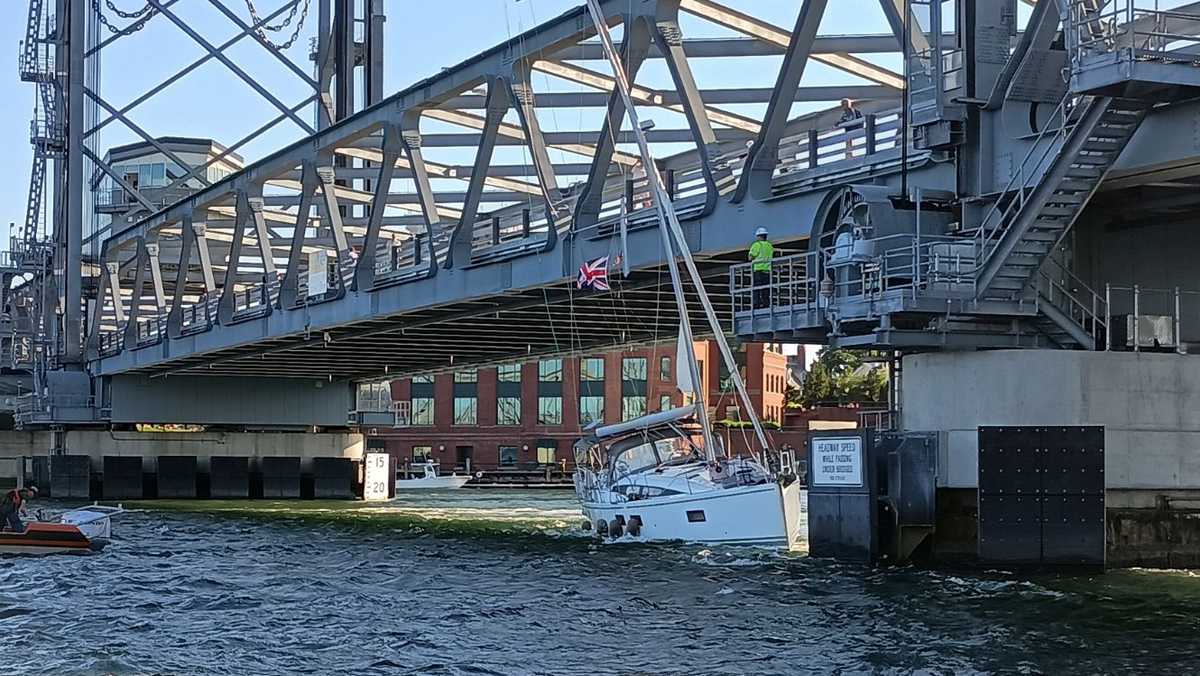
[645,454]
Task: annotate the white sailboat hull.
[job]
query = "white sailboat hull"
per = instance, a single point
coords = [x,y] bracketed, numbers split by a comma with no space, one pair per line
[764,514]
[432,483]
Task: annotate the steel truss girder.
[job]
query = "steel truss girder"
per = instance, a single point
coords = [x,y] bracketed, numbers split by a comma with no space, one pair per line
[192,237]
[635,46]
[505,73]
[764,153]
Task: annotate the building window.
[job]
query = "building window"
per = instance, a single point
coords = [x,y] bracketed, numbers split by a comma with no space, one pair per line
[509,454]
[426,379]
[633,387]
[591,369]
[465,411]
[422,453]
[549,410]
[664,368]
[550,376]
[733,413]
[422,411]
[508,373]
[470,376]
[664,402]
[633,368]
[547,454]
[591,409]
[550,370]
[375,397]
[508,411]
[632,407]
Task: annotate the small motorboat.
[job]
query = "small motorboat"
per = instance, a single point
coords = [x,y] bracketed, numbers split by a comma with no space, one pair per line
[78,531]
[431,480]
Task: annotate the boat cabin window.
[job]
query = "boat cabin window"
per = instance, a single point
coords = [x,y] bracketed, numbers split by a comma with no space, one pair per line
[646,454]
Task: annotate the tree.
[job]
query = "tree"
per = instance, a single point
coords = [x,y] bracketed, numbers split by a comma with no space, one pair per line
[840,376]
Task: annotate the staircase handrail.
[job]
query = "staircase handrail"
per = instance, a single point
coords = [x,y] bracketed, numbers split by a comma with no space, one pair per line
[987,239]
[1090,311]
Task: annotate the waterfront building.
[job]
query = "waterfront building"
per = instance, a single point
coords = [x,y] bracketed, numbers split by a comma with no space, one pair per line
[529,414]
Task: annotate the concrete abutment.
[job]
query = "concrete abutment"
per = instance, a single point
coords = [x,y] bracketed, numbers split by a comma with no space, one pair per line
[1148,404]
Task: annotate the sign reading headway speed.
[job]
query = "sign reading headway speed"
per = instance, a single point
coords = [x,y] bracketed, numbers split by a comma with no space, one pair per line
[837,461]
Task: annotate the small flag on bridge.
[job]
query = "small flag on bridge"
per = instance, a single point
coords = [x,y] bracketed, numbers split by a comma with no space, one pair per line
[594,275]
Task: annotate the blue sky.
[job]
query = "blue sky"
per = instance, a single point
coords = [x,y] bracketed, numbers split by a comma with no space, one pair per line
[421,38]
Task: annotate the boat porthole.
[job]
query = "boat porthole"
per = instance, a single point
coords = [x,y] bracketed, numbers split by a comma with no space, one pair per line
[696,515]
[635,526]
[586,525]
[601,527]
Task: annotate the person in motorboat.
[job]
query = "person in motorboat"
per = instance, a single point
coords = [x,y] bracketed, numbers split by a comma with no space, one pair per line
[14,504]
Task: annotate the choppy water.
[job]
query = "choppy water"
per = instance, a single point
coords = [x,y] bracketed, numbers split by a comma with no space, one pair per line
[502,583]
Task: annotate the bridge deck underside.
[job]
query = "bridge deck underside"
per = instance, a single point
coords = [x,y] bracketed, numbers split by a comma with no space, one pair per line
[537,322]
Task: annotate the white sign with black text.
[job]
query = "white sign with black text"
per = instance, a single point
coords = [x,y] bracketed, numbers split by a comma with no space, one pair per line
[375,482]
[837,461]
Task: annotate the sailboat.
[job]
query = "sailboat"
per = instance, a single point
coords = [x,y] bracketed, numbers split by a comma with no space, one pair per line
[662,476]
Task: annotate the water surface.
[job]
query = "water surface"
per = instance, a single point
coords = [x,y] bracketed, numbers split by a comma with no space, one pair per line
[467,582]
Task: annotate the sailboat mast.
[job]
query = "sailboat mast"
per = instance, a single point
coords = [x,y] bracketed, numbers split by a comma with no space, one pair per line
[662,206]
[670,228]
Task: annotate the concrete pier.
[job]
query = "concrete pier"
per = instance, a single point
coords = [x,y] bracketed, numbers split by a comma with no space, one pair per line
[1148,403]
[187,460]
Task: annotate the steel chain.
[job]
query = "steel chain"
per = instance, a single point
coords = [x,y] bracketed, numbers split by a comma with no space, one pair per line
[262,31]
[127,15]
[145,15]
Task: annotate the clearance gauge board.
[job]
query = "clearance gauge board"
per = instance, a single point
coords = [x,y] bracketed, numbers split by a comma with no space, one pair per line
[377,477]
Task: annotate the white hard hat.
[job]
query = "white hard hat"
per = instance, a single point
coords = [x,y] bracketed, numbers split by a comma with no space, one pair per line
[760,232]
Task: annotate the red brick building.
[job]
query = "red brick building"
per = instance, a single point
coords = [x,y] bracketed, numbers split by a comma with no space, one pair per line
[528,414]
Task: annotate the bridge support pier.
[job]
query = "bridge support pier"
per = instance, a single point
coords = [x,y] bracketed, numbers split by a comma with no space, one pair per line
[1148,404]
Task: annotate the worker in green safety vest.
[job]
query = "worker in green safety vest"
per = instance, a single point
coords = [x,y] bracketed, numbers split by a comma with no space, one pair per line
[761,253]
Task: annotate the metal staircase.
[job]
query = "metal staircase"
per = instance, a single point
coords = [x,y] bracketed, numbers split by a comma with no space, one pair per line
[33,205]
[1046,195]
[1022,229]
[35,61]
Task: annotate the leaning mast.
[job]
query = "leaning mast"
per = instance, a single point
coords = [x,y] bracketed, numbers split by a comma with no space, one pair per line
[671,230]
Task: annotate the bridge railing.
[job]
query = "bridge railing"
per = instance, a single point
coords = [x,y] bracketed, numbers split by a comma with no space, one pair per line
[199,316]
[1131,30]
[794,281]
[111,342]
[150,330]
[857,137]
[817,281]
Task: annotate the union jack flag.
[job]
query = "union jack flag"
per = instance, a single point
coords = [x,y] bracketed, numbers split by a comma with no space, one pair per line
[594,275]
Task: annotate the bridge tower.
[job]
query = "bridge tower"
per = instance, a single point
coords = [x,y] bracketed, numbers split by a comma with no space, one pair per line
[331,49]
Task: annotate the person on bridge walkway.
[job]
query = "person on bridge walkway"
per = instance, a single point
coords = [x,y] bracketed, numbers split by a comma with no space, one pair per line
[761,253]
[850,121]
[13,504]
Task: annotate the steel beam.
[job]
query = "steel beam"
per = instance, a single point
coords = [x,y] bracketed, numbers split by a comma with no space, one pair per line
[756,28]
[410,126]
[558,213]
[635,47]
[192,238]
[364,272]
[764,153]
[179,74]
[289,292]
[227,307]
[461,239]
[669,38]
[237,70]
[71,240]
[672,100]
